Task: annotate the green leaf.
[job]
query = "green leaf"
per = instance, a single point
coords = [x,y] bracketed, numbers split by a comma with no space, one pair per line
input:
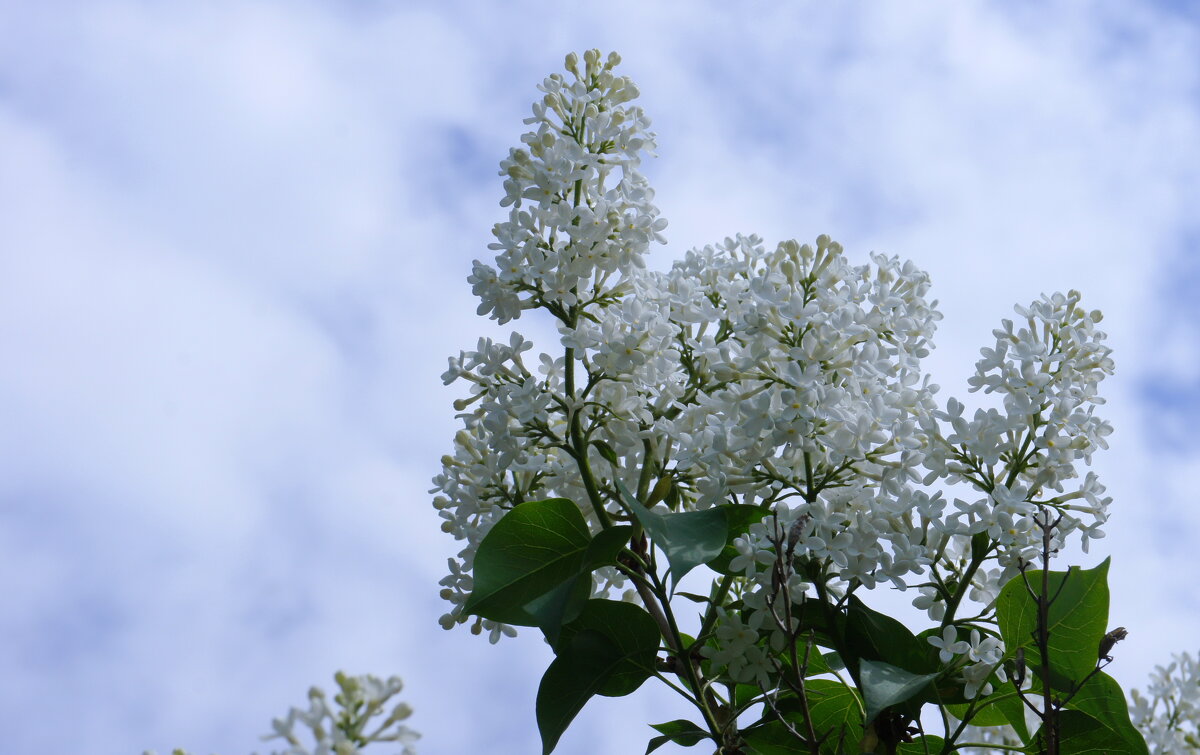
[833,661]
[836,712]
[773,738]
[608,650]
[825,622]
[530,551]
[885,685]
[606,452]
[680,731]
[688,538]
[1077,619]
[606,546]
[562,604]
[559,606]
[979,545]
[928,745]
[874,636]
[534,567]
[744,693]
[1081,734]
[630,628]
[738,518]
[818,663]
[572,678]
[1103,699]
[1014,713]
[1000,708]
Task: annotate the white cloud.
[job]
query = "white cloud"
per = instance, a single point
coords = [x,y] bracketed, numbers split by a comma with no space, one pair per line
[232,246]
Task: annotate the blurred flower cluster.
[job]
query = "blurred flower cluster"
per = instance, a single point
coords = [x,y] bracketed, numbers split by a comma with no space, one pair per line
[1168,713]
[362,714]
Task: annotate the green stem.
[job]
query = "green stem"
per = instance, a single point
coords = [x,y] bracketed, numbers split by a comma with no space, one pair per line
[643,486]
[685,660]
[718,597]
[949,745]
[1049,712]
[580,447]
[964,585]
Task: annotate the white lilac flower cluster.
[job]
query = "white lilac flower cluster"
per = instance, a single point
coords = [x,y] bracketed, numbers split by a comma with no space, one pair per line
[581,211]
[361,716]
[1168,714]
[788,378]
[979,657]
[1020,461]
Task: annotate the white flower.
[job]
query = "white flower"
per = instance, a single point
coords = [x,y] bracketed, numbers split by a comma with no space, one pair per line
[1168,713]
[948,644]
[344,730]
[787,377]
[976,679]
[930,601]
[985,649]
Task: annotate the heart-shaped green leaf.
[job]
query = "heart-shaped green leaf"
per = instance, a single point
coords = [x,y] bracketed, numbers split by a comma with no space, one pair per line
[1078,618]
[688,538]
[534,548]
[885,685]
[680,731]
[609,650]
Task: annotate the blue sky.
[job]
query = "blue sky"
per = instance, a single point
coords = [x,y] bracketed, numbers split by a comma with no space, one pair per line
[234,238]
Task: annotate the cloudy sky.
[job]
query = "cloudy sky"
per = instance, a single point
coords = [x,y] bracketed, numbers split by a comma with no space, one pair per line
[233,244]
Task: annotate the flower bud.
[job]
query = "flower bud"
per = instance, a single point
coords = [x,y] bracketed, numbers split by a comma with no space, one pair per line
[401,712]
[1109,640]
[660,490]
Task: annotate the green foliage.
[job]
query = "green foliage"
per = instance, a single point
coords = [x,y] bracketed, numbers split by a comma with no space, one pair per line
[774,738]
[997,709]
[1102,699]
[836,711]
[837,714]
[533,567]
[875,636]
[1078,618]
[929,745]
[739,517]
[529,552]
[559,606]
[608,650]
[680,731]
[630,628]
[1081,734]
[885,685]
[688,538]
